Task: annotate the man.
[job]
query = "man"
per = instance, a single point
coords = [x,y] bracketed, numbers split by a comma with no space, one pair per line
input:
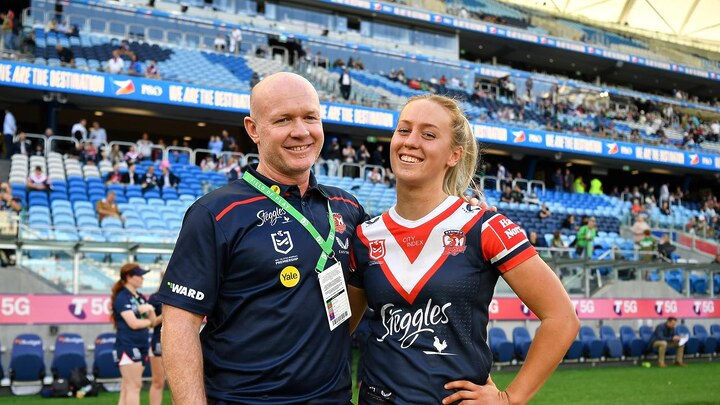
[115,64]
[345,83]
[131,177]
[79,130]
[167,179]
[235,40]
[23,146]
[144,146]
[108,208]
[584,239]
[66,56]
[149,180]
[666,337]
[98,135]
[638,228]
[257,276]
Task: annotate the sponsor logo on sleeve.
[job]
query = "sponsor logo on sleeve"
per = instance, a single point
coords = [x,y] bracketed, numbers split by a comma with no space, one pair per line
[188,292]
[509,233]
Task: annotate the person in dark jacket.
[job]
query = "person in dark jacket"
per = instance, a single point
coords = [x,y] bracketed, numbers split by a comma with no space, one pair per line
[664,337]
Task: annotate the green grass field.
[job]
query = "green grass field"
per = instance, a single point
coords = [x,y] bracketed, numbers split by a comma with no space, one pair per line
[698,384]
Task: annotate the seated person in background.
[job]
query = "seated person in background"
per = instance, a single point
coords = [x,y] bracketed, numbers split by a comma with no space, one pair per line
[151,71]
[544,212]
[208,164]
[108,208]
[135,68]
[638,228]
[130,177]
[132,156]
[507,195]
[23,146]
[665,247]
[517,195]
[114,177]
[666,337]
[149,179]
[232,169]
[66,56]
[38,180]
[167,178]
[569,223]
[538,242]
[89,154]
[665,208]
[115,64]
[375,176]
[9,202]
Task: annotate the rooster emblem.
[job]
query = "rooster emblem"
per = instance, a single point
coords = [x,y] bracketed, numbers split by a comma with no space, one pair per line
[439,346]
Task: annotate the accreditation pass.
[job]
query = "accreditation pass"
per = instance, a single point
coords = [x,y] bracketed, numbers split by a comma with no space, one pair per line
[335,295]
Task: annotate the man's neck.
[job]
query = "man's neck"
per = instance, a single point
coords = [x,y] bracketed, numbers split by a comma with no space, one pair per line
[302,181]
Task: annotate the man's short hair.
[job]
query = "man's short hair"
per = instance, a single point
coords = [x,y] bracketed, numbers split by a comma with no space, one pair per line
[671,318]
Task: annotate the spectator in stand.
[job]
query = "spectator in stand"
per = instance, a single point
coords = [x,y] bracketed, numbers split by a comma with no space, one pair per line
[638,228]
[579,185]
[232,170]
[98,136]
[544,212]
[23,146]
[647,246]
[665,247]
[66,56]
[215,145]
[569,181]
[115,64]
[89,154]
[151,71]
[208,164]
[536,241]
[517,195]
[51,26]
[116,154]
[502,175]
[507,195]
[375,177]
[107,207]
[389,177]
[9,29]
[333,155]
[220,44]
[114,177]
[158,150]
[132,155]
[149,180]
[131,178]
[595,186]
[345,83]
[79,130]
[584,239]
[229,142]
[135,68]
[144,147]
[717,259]
[666,337]
[9,130]
[39,150]
[254,80]
[557,180]
[377,157]
[73,31]
[665,192]
[235,40]
[665,208]
[363,155]
[348,154]
[557,241]
[167,178]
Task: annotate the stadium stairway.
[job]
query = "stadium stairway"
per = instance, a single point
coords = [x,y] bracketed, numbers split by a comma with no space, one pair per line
[17,280]
[4,168]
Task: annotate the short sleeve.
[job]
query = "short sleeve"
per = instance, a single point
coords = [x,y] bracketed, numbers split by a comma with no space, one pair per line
[503,243]
[193,276]
[122,303]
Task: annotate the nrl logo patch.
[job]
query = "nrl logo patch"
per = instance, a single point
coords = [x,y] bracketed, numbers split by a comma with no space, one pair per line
[377,249]
[282,242]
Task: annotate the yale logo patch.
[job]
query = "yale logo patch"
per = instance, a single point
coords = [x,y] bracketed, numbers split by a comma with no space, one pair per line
[289,276]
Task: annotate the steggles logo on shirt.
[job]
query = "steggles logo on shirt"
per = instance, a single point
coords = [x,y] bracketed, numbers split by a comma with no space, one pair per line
[409,326]
[272,216]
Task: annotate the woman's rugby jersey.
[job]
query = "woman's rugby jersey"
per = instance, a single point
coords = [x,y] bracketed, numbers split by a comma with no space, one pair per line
[430,283]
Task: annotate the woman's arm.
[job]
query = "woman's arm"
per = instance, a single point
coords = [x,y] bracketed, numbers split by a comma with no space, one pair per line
[135,322]
[358,305]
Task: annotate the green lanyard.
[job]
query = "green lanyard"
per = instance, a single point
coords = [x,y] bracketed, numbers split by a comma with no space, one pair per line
[325,244]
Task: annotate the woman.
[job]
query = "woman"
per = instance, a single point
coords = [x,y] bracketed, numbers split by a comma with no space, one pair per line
[158,371]
[428,268]
[132,316]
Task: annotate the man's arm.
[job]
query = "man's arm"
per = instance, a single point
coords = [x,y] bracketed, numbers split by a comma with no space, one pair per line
[182,355]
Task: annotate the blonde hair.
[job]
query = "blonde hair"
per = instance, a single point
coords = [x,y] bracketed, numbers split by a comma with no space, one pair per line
[459,177]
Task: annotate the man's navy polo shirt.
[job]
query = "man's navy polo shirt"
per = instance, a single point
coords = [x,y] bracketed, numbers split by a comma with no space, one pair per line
[248,266]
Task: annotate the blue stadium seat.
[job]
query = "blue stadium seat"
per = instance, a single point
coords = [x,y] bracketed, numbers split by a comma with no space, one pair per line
[27,360]
[708,344]
[592,346]
[634,346]
[521,341]
[104,366]
[501,348]
[69,354]
[575,350]
[715,331]
[692,347]
[613,346]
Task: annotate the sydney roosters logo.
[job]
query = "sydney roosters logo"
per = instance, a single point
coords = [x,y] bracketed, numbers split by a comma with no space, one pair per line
[339,223]
[454,242]
[377,249]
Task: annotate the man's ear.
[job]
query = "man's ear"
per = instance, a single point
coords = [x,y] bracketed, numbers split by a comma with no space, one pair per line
[251,128]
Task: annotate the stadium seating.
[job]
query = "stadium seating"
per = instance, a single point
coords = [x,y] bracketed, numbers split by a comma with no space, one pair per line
[634,346]
[613,347]
[27,362]
[715,331]
[501,348]
[592,346]
[575,351]
[69,354]
[104,367]
[708,344]
[521,342]
[692,346]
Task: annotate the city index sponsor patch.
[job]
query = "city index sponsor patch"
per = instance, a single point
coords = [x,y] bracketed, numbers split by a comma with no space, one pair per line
[508,232]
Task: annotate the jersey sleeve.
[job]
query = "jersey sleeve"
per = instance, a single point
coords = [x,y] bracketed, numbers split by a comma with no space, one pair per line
[503,243]
[122,303]
[358,261]
[193,276]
